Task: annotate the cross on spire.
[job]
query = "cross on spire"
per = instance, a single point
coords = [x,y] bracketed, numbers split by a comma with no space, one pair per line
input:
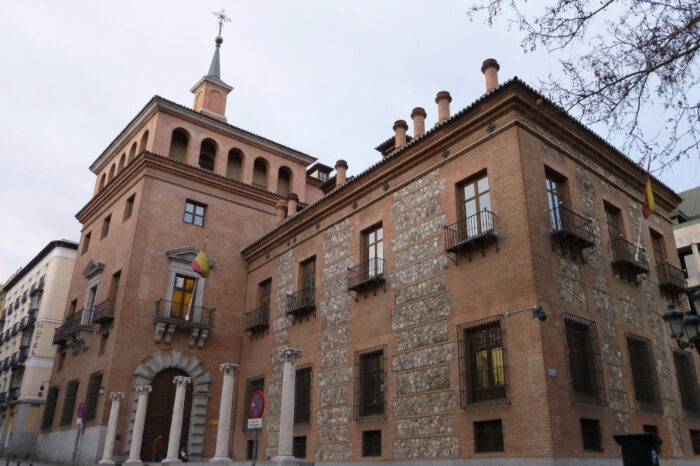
[221,16]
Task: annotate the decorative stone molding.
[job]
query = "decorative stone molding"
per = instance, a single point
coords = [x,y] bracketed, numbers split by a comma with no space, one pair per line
[291,355]
[229,369]
[79,339]
[200,379]
[117,396]
[187,254]
[94,267]
[141,388]
[181,380]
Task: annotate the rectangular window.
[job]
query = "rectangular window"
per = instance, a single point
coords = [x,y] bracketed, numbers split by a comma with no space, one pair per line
[612,217]
[646,386]
[475,207]
[373,252]
[488,436]
[73,307]
[302,397]
[372,443]
[264,290]
[590,433]
[653,430]
[687,381]
[69,402]
[695,441]
[249,450]
[92,396]
[299,447]
[251,386]
[369,382]
[183,294]
[61,361]
[51,398]
[657,247]
[482,365]
[307,275]
[105,225]
[194,213]
[129,207]
[690,268]
[86,242]
[555,197]
[584,360]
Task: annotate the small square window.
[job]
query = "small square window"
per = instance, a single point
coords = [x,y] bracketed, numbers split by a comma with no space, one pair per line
[590,433]
[372,443]
[194,213]
[249,450]
[129,207]
[695,441]
[86,242]
[488,436]
[299,447]
[105,225]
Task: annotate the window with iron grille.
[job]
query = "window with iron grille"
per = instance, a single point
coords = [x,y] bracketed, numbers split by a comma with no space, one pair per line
[646,388]
[369,382]
[590,434]
[299,447]
[488,436]
[50,408]
[249,450]
[584,360]
[302,397]
[372,443]
[687,381]
[482,364]
[695,441]
[653,430]
[252,385]
[69,402]
[92,396]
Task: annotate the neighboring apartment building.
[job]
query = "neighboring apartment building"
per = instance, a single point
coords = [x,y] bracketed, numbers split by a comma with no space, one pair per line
[686,229]
[33,308]
[478,293]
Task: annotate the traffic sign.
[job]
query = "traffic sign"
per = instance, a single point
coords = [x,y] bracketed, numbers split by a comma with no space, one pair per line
[255,423]
[82,407]
[257,404]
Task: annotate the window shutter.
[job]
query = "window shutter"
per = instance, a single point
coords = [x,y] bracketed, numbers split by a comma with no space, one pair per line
[50,407]
[93,392]
[69,402]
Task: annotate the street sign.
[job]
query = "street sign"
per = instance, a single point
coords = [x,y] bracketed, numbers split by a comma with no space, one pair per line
[257,404]
[82,407]
[255,423]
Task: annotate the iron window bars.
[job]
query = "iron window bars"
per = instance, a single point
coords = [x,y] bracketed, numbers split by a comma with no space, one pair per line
[646,385]
[687,381]
[587,380]
[488,436]
[370,376]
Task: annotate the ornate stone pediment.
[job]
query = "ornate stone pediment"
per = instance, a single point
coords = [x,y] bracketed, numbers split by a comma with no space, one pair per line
[186,255]
[94,267]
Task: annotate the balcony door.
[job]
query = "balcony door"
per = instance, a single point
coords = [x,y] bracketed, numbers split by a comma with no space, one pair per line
[183,293]
[555,199]
[308,279]
[373,252]
[475,198]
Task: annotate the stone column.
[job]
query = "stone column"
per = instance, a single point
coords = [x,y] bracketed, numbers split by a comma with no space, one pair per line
[139,421]
[108,450]
[224,430]
[289,373]
[176,424]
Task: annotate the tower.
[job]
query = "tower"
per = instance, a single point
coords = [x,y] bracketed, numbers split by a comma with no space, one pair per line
[210,91]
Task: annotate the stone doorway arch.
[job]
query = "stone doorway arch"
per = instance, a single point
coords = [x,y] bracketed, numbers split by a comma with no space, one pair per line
[201,381]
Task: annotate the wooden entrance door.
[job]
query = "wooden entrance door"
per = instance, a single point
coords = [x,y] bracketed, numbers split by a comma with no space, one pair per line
[160,413]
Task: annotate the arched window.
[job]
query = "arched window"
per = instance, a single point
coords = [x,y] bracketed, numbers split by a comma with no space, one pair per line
[122,162]
[207,154]
[132,152]
[260,173]
[102,181]
[178,145]
[234,166]
[111,172]
[284,181]
[144,141]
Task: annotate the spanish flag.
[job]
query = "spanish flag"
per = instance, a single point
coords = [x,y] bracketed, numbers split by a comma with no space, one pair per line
[200,264]
[648,206]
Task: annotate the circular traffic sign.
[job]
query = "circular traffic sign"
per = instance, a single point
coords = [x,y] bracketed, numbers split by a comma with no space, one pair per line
[257,404]
[82,407]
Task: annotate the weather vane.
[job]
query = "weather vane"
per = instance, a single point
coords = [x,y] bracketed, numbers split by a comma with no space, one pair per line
[221,16]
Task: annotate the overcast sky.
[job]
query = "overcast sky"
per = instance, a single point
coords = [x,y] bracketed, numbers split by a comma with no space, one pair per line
[327,78]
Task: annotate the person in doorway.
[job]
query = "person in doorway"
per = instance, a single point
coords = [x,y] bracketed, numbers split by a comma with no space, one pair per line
[158,446]
[183,455]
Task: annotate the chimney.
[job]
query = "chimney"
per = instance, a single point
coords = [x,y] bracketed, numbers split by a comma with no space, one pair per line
[292,201]
[443,99]
[341,170]
[490,69]
[281,208]
[400,128]
[418,115]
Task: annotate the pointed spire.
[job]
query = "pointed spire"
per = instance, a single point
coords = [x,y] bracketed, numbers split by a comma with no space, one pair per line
[215,67]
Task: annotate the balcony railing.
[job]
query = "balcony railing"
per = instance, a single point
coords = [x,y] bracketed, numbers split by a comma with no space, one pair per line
[366,275]
[103,313]
[31,317]
[3,397]
[477,229]
[79,321]
[183,314]
[23,353]
[671,279]
[571,227]
[257,319]
[628,258]
[58,336]
[13,394]
[302,301]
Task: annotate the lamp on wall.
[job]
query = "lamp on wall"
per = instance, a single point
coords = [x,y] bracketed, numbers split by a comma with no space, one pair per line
[685,326]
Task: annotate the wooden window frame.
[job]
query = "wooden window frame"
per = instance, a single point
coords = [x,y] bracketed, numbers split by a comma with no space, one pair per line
[50,407]
[462,216]
[69,402]
[193,213]
[377,267]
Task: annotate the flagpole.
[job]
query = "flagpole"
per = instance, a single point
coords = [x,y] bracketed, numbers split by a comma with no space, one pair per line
[641,224]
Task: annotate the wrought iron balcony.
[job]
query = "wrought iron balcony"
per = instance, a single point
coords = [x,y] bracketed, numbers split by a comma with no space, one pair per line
[13,359]
[671,279]
[23,353]
[572,228]
[475,230]
[629,259]
[366,275]
[31,317]
[74,323]
[58,337]
[103,313]
[15,329]
[301,302]
[257,319]
[13,394]
[183,314]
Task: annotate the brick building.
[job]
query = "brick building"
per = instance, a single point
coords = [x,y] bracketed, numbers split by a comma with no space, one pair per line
[477,293]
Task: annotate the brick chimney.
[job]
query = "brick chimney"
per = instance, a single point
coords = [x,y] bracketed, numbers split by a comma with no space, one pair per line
[281,210]
[443,99]
[292,201]
[400,128]
[418,115]
[490,69]
[341,171]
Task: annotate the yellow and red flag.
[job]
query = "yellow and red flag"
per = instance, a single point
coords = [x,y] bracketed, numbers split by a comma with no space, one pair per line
[648,206]
[200,264]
